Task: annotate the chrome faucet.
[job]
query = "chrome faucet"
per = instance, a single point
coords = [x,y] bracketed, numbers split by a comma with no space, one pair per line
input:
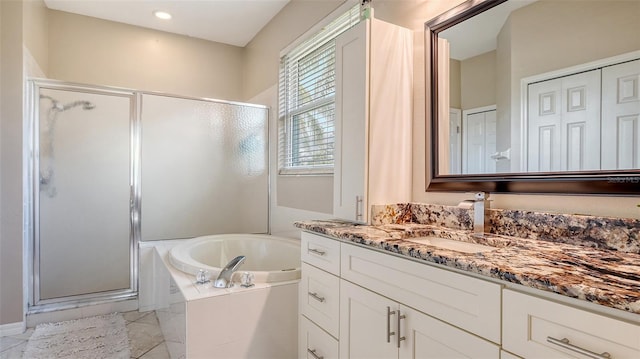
[481,207]
[224,278]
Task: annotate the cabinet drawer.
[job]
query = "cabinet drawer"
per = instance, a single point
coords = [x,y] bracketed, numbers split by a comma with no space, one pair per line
[466,302]
[315,343]
[319,298]
[321,252]
[535,328]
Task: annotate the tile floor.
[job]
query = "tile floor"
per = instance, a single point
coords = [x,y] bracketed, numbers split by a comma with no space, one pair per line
[145,338]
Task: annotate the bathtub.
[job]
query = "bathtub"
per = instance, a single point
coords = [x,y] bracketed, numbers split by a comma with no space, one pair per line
[269,258]
[197,320]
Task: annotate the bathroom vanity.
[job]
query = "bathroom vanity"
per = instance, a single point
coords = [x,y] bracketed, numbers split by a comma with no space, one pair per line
[376,291]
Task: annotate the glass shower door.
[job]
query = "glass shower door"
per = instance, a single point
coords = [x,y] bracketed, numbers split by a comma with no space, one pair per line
[84,194]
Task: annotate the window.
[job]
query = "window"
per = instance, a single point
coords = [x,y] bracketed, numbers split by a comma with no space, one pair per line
[307,100]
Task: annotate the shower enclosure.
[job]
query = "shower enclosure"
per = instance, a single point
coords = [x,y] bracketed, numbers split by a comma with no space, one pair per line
[111,167]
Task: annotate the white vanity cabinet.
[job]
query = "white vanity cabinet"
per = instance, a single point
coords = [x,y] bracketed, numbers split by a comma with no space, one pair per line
[372,155]
[358,302]
[539,328]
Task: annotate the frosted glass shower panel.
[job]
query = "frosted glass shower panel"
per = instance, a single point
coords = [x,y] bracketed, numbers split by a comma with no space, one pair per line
[83,186]
[204,168]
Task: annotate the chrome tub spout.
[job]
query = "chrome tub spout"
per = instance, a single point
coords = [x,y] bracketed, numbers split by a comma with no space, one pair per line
[224,278]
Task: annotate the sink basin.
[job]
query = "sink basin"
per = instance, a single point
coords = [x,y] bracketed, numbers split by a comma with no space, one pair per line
[451,244]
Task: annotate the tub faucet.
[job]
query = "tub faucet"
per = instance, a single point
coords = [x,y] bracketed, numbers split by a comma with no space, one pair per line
[224,278]
[481,207]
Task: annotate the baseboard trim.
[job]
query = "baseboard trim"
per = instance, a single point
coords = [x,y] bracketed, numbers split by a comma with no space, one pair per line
[12,329]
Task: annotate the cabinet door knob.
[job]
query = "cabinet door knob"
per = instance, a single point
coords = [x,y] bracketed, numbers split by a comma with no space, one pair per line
[359,211]
[313,354]
[564,343]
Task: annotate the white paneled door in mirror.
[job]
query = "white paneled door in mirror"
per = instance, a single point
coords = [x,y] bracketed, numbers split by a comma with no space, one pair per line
[564,123]
[621,116]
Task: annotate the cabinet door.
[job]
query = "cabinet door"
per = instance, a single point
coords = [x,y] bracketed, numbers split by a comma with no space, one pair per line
[350,124]
[367,329]
[426,337]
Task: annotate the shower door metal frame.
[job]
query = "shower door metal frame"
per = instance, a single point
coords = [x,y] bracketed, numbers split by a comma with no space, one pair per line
[36,304]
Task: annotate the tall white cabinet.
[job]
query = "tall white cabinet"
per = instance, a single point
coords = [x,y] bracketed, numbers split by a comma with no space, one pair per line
[374,82]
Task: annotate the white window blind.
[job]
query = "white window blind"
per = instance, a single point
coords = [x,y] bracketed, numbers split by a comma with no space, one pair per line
[307,100]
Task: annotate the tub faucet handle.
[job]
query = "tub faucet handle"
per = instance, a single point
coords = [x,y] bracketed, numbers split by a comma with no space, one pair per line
[203,277]
[246,280]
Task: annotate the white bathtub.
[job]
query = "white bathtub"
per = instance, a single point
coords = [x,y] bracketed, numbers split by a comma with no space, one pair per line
[258,321]
[268,258]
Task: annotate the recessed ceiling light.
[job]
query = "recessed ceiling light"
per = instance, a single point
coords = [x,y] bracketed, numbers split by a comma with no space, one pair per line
[162,15]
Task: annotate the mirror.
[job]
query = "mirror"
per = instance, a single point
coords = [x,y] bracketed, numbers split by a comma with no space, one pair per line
[535,96]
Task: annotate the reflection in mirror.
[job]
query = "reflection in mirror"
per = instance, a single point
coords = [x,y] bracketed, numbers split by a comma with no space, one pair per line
[541,86]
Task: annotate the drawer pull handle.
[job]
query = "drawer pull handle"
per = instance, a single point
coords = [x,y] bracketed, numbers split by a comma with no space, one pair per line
[564,343]
[315,296]
[400,338]
[313,354]
[317,251]
[389,332]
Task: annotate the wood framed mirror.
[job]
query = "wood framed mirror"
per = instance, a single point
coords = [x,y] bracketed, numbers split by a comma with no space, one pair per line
[534,96]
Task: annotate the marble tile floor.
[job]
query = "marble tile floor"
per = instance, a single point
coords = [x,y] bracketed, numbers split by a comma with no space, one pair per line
[145,338]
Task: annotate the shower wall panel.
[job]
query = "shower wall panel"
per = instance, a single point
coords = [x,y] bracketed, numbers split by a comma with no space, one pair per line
[83,181]
[204,168]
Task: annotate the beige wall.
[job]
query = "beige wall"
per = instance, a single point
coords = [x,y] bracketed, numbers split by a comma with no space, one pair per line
[88,50]
[35,32]
[571,35]
[455,92]
[503,95]
[11,215]
[478,81]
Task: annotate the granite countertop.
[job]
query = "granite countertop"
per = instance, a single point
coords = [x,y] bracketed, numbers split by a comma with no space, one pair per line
[607,277]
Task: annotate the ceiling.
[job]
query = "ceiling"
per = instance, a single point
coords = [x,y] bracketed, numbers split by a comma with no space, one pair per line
[233,22]
[478,35]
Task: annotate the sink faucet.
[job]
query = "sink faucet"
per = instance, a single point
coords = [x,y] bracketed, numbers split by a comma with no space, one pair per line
[481,207]
[224,278]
